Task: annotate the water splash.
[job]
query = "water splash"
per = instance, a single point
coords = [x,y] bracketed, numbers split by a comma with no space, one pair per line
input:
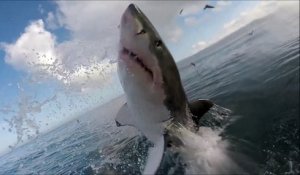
[205,152]
[22,120]
[72,84]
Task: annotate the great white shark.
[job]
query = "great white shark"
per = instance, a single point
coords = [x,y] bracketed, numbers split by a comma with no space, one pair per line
[152,86]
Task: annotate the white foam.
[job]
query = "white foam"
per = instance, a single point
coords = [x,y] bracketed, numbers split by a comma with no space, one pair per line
[205,152]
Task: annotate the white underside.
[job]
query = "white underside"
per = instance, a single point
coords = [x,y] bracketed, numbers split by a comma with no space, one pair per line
[155,155]
[145,111]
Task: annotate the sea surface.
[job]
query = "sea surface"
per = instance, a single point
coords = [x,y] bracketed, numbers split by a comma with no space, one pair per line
[254,73]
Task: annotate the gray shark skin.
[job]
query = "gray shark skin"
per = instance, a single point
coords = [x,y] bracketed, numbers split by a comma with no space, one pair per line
[152,86]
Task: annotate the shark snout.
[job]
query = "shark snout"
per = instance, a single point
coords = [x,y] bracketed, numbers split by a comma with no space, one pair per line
[128,19]
[133,8]
[131,11]
[125,17]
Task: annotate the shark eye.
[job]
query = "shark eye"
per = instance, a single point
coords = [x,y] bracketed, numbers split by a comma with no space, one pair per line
[158,43]
[141,32]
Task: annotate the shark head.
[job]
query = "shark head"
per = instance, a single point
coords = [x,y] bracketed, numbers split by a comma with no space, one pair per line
[146,67]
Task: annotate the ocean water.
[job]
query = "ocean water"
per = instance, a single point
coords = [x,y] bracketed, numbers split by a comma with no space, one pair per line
[255,76]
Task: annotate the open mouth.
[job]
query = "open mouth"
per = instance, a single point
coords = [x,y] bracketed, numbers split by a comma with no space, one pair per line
[137,60]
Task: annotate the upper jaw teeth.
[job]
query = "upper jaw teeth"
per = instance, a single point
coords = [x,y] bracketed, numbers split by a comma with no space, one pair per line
[137,59]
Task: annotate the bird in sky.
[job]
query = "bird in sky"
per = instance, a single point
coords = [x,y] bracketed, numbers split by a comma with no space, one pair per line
[208,7]
[180,11]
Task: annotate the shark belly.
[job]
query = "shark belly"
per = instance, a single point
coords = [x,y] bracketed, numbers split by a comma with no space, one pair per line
[147,116]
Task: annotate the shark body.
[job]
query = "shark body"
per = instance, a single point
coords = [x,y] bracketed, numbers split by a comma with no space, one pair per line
[152,86]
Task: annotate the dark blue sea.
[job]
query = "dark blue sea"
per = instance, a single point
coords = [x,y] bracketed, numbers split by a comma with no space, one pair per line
[255,75]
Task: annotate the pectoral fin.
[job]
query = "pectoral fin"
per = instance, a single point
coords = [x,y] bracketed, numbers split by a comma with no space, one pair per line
[199,108]
[124,117]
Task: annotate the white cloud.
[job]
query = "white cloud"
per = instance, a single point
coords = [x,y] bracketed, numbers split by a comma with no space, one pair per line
[37,53]
[191,21]
[221,5]
[34,46]
[199,46]
[230,24]
[97,19]
[41,9]
[175,34]
[51,22]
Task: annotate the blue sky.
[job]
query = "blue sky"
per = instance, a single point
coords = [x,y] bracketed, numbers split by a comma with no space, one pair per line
[77,44]
[210,25]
